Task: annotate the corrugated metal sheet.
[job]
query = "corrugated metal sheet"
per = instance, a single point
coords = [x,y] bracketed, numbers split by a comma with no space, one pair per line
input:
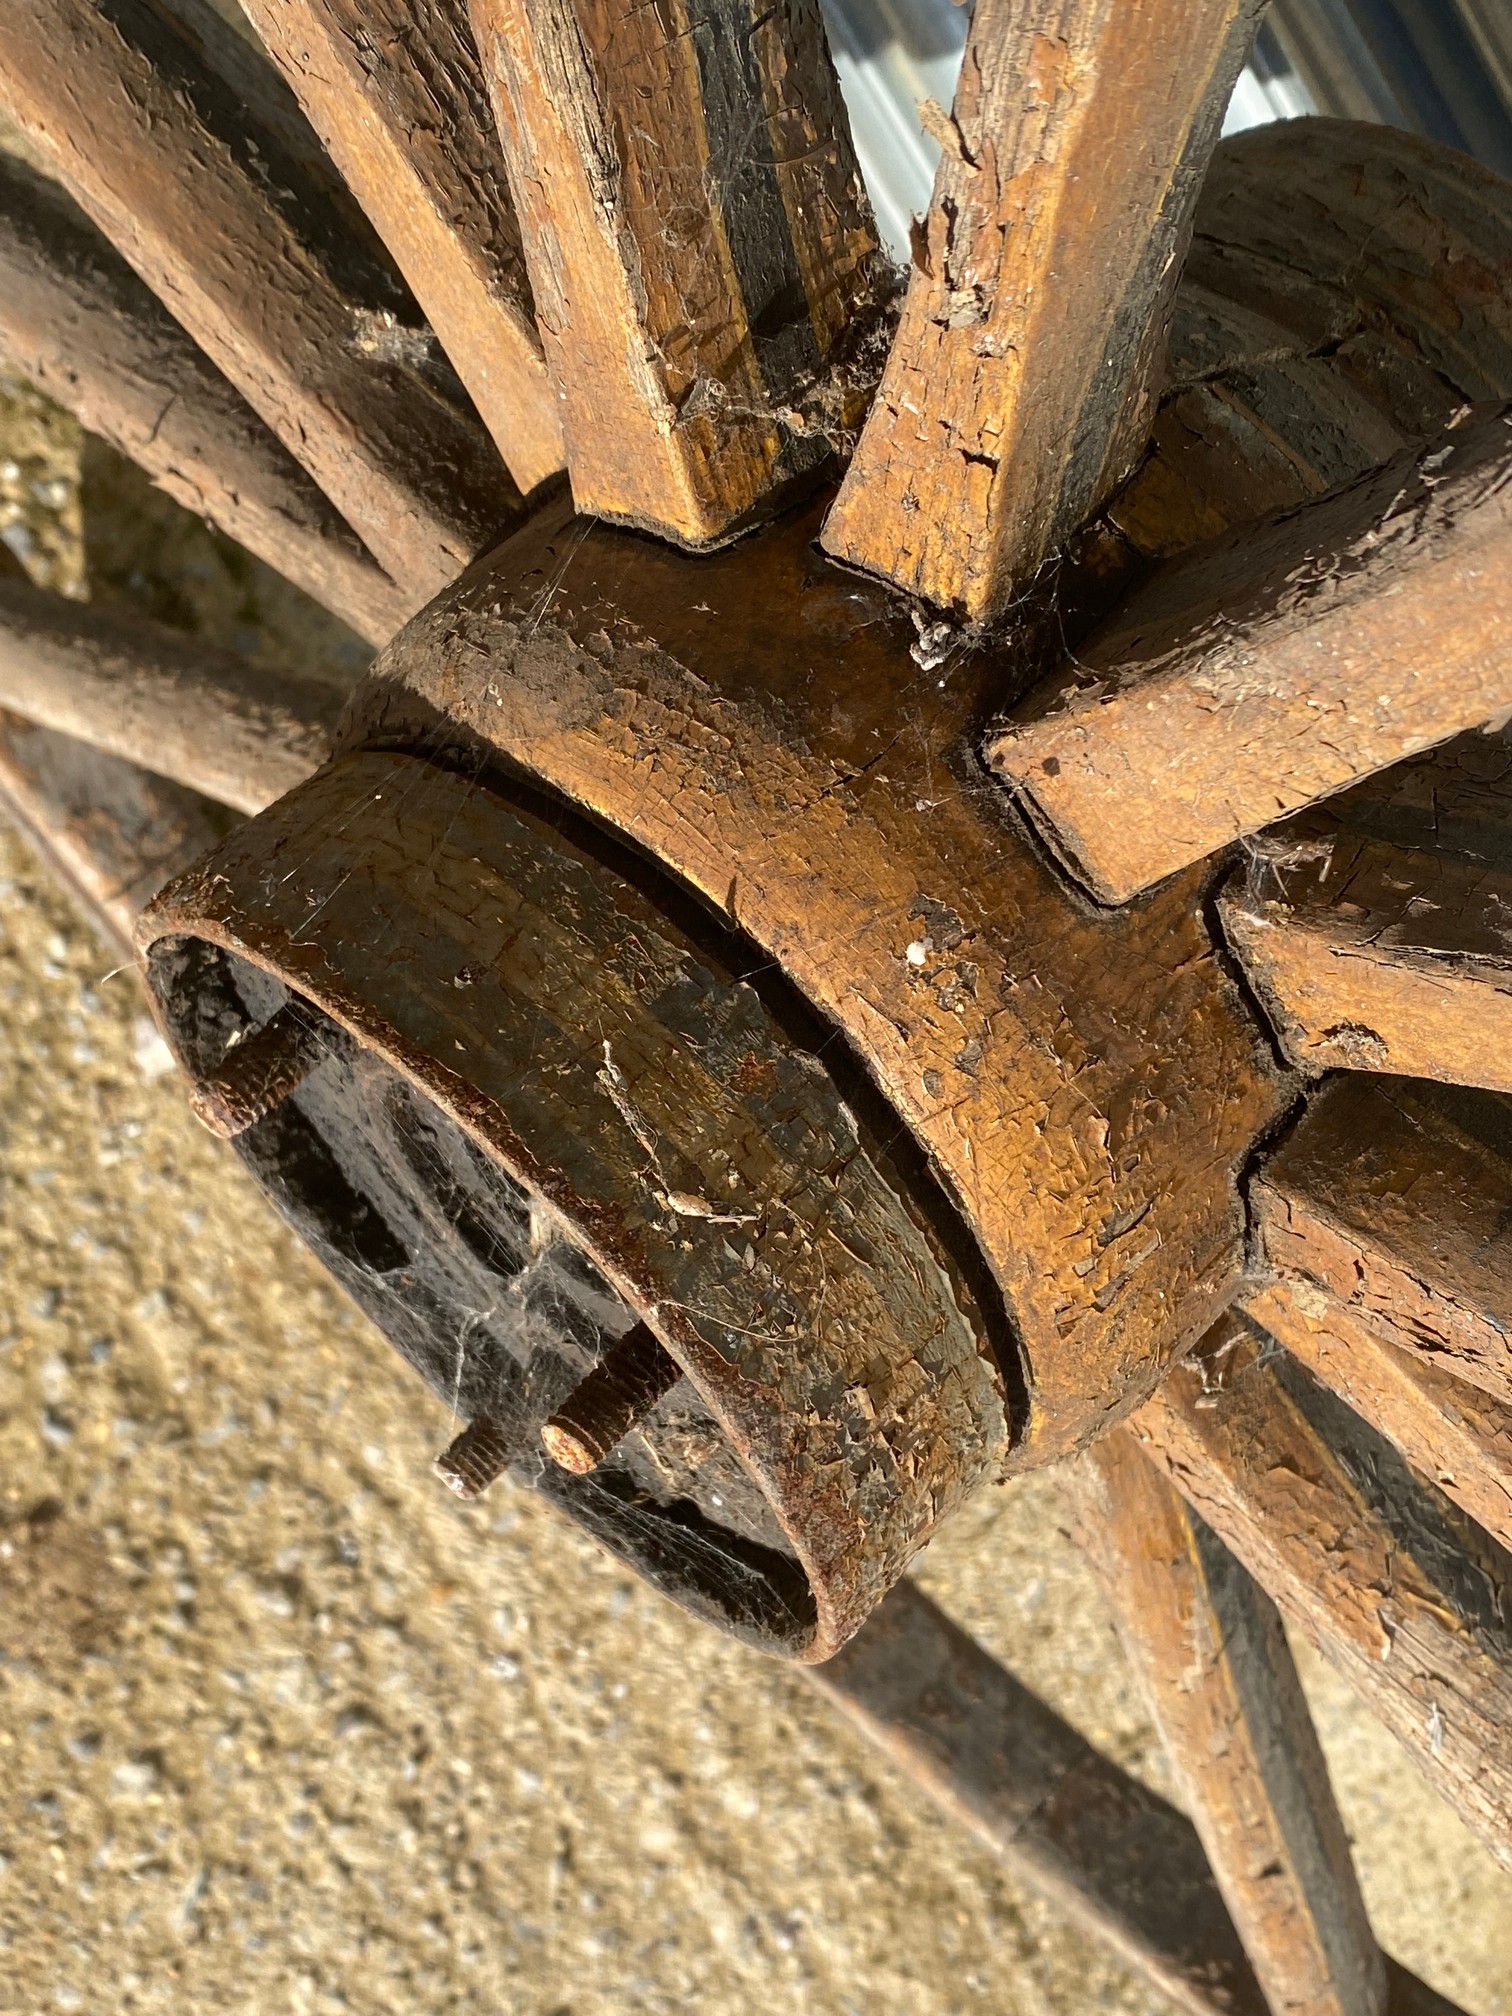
[1442,67]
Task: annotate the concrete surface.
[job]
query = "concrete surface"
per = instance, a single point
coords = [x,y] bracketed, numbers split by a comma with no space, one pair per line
[285,1728]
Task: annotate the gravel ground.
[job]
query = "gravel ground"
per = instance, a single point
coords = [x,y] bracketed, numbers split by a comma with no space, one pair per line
[286,1728]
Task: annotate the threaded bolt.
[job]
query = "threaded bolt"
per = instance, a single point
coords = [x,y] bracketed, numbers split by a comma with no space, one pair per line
[259,1073]
[479,1455]
[618,1393]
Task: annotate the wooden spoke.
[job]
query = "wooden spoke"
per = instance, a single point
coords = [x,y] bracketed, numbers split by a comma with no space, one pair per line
[1021,386]
[213,722]
[704,263]
[77,322]
[1103,1849]
[1397,1589]
[112,833]
[396,94]
[1275,666]
[1212,1658]
[1388,1202]
[1120,1862]
[1445,1427]
[224,224]
[1377,926]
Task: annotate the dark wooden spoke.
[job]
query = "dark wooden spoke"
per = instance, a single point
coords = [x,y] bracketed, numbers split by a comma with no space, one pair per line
[1208,1647]
[1021,386]
[296,308]
[1119,1861]
[1397,1589]
[1102,1848]
[213,722]
[1389,1201]
[1276,666]
[396,94]
[77,322]
[704,263]
[1377,926]
[111,832]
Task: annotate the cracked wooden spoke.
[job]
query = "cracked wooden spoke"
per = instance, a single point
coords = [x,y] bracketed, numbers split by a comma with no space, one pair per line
[78,323]
[1395,1587]
[1211,1656]
[265,272]
[1377,926]
[398,98]
[213,722]
[1021,387]
[1276,666]
[703,259]
[1387,1206]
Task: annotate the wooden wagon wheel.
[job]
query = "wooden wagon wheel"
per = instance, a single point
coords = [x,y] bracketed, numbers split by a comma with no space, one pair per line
[981,941]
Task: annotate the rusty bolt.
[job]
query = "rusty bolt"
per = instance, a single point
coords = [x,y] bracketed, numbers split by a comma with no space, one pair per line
[260,1072]
[479,1455]
[620,1391]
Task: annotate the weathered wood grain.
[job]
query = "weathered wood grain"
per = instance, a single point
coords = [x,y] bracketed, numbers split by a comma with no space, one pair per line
[1451,1431]
[703,259]
[1377,926]
[1276,665]
[1220,1683]
[78,323]
[1021,386]
[112,833]
[1396,1588]
[397,95]
[1389,1200]
[225,225]
[211,721]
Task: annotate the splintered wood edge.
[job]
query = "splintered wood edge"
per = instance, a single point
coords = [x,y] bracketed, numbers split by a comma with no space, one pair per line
[1022,383]
[1275,666]
[1219,1681]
